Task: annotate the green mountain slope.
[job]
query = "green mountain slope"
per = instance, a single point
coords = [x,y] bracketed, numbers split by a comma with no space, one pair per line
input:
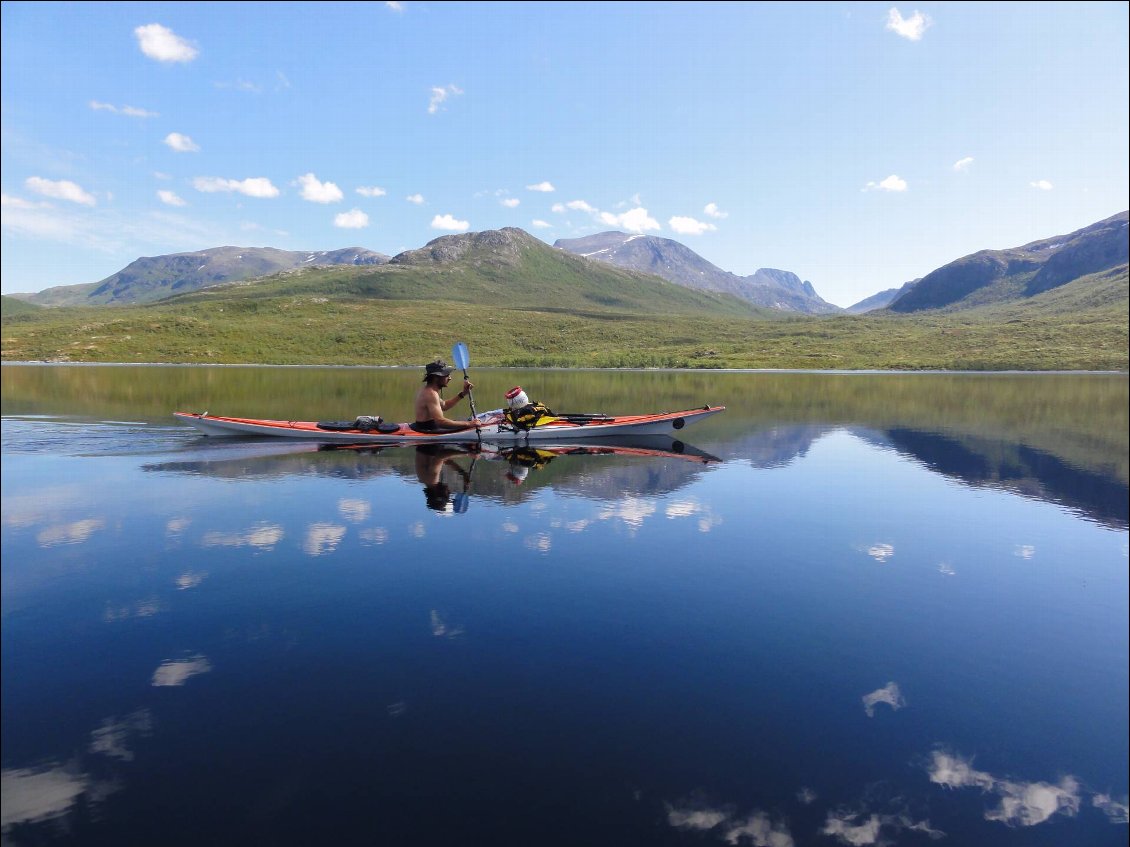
[153,278]
[1000,276]
[507,268]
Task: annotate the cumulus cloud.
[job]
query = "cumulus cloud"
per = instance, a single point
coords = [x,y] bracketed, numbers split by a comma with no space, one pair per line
[394,6]
[540,224]
[689,226]
[130,111]
[510,202]
[577,206]
[418,199]
[541,186]
[1042,184]
[171,198]
[9,202]
[181,143]
[449,222]
[911,28]
[353,219]
[712,210]
[62,189]
[889,694]
[318,192]
[371,191]
[164,45]
[440,96]
[635,220]
[963,164]
[892,183]
[252,187]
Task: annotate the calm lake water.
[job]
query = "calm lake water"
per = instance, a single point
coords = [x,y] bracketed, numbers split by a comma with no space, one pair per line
[853,609]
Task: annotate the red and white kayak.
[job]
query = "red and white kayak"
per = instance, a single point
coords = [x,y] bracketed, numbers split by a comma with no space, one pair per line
[492,427]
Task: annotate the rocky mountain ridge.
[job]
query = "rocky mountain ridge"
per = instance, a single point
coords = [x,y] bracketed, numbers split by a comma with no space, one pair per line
[768,287]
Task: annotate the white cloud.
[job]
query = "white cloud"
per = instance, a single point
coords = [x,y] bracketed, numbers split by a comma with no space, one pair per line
[396,7]
[253,186]
[910,28]
[888,694]
[440,95]
[371,191]
[130,111]
[170,198]
[541,186]
[418,199]
[161,43]
[962,165]
[318,192]
[510,202]
[241,85]
[9,202]
[892,183]
[540,224]
[449,222]
[181,143]
[353,219]
[689,226]
[1042,184]
[712,210]
[60,190]
[580,206]
[636,220]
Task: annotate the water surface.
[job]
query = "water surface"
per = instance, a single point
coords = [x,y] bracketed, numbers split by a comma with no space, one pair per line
[853,609]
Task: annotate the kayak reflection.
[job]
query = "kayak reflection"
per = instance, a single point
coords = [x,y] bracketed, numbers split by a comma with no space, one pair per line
[451,474]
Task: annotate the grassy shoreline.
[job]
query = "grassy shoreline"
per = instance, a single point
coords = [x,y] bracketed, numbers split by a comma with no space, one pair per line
[317,332]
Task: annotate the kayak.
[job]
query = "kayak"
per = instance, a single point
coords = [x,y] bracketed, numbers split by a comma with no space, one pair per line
[492,427]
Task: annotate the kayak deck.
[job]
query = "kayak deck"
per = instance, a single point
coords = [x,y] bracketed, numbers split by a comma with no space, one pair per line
[491,428]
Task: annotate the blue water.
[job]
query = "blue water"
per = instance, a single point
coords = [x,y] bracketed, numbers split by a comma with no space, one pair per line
[804,631]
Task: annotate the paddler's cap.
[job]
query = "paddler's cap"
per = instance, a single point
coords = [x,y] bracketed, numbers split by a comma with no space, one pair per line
[437,368]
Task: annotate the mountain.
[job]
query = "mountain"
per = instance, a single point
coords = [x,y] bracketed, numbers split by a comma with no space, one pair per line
[507,267]
[992,277]
[152,278]
[768,288]
[880,300]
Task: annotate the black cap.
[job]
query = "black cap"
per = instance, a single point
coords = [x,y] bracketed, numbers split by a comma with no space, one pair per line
[437,368]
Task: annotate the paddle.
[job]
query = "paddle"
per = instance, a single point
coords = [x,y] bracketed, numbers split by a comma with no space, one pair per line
[461,358]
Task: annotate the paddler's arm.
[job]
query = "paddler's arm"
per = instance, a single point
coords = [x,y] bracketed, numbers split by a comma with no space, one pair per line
[449,403]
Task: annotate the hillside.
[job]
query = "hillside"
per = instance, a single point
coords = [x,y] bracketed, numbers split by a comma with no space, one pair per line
[505,268]
[991,277]
[153,278]
[879,301]
[768,287]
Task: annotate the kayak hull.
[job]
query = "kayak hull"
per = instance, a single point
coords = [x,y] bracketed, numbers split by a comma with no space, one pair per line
[494,430]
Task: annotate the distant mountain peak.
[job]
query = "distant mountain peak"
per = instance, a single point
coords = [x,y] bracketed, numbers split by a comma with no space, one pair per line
[677,263]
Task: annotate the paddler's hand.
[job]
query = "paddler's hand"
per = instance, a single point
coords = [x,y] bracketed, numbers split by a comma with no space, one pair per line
[467,386]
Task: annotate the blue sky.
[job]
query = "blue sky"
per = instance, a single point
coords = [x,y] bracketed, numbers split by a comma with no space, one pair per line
[859,145]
